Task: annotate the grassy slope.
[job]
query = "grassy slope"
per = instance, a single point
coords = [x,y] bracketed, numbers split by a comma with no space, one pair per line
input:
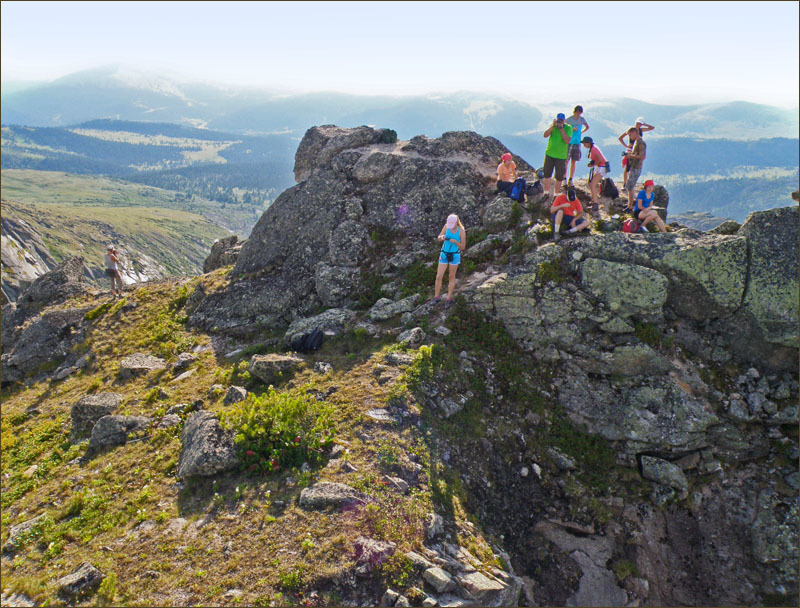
[78,214]
[252,542]
[28,186]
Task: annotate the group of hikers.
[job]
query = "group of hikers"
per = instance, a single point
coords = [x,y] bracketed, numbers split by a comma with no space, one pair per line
[564,149]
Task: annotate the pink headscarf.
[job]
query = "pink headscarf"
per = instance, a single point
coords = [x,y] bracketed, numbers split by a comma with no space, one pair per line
[506,156]
[452,221]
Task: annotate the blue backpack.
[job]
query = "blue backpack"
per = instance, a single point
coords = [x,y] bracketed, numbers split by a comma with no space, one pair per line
[518,190]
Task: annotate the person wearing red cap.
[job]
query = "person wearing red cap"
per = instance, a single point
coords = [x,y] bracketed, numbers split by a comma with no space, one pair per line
[506,174]
[644,211]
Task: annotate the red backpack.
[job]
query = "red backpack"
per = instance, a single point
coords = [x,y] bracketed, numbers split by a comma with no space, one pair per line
[630,225]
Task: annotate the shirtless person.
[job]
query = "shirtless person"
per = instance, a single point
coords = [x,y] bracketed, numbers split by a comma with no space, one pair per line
[506,174]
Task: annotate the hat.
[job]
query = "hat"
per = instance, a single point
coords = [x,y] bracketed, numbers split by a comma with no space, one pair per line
[560,116]
[640,119]
[452,221]
[649,183]
[110,247]
[587,140]
[506,156]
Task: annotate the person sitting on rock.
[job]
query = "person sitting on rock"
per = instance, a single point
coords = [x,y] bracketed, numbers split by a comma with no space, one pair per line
[567,207]
[112,259]
[506,174]
[599,168]
[644,211]
[454,239]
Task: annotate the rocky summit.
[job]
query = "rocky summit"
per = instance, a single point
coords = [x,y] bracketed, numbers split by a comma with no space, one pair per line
[608,420]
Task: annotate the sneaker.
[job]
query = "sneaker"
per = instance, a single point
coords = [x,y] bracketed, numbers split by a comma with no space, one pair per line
[556,237]
[448,304]
[435,300]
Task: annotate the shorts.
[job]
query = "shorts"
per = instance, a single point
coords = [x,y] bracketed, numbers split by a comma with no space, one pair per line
[574,152]
[559,164]
[601,171]
[567,219]
[110,272]
[505,186]
[456,256]
[633,176]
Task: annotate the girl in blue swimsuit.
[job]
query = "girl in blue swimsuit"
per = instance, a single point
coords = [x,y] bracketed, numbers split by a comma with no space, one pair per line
[454,239]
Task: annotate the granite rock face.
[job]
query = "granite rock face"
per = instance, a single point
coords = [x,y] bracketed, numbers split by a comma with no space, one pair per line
[307,248]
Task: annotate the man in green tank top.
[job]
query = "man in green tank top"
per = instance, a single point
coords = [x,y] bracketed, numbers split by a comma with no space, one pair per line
[555,156]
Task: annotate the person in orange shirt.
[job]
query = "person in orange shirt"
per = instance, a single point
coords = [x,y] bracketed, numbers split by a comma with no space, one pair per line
[567,208]
[506,174]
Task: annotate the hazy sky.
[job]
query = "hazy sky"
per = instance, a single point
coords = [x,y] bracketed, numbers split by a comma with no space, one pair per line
[668,52]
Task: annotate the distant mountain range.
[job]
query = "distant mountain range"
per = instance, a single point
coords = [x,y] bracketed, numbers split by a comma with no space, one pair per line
[125,94]
[225,144]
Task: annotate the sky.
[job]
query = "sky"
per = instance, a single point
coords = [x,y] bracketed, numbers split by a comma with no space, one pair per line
[662,52]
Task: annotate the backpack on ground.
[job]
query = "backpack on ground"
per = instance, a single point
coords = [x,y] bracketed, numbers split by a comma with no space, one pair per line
[534,188]
[630,225]
[609,189]
[518,190]
[308,342]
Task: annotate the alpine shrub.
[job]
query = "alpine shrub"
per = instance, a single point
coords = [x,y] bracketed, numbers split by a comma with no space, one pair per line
[276,430]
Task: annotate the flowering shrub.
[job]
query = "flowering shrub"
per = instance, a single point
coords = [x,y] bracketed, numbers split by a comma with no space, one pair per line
[276,430]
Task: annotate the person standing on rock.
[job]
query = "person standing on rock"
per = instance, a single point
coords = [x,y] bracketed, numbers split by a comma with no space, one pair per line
[567,208]
[599,168]
[642,127]
[579,126]
[555,156]
[635,160]
[644,211]
[453,238]
[112,259]
[506,174]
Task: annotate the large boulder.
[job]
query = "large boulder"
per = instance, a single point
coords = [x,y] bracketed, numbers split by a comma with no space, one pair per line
[707,273]
[89,409]
[766,327]
[206,448]
[352,186]
[64,280]
[270,369]
[114,430]
[41,342]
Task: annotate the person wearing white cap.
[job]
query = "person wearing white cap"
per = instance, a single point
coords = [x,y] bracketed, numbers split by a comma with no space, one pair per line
[453,238]
[112,259]
[643,127]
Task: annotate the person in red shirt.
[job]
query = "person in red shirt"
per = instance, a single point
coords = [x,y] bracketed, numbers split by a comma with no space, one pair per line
[567,208]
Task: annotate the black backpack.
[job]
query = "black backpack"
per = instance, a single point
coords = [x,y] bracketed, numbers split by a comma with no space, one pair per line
[609,189]
[535,188]
[308,342]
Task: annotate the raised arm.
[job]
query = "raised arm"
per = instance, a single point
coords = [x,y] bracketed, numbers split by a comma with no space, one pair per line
[622,138]
[645,127]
